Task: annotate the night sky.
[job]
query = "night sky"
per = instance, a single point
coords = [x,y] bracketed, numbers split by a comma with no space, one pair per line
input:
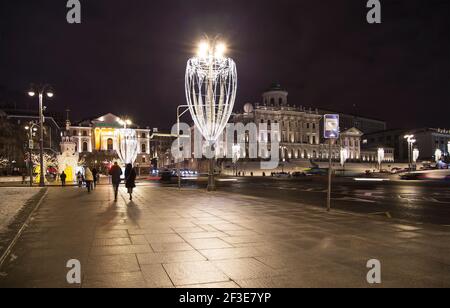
[129,57]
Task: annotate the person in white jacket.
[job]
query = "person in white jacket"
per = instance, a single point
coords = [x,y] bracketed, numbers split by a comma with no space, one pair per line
[88,178]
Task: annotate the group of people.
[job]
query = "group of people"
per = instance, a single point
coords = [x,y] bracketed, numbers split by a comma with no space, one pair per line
[116,177]
[92,177]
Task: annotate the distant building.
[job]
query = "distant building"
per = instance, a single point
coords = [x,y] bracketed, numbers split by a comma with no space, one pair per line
[428,140]
[100,134]
[300,132]
[160,148]
[52,129]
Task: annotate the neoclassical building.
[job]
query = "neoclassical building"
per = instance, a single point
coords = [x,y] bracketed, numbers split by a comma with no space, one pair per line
[99,134]
[300,134]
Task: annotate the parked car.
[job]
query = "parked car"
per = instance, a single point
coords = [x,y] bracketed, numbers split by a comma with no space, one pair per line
[298,174]
[166,175]
[281,174]
[317,171]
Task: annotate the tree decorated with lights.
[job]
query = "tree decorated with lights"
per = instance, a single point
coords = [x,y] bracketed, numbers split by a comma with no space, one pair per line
[210,85]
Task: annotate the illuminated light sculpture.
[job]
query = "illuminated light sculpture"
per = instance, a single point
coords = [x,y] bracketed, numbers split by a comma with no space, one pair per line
[210,85]
[344,156]
[127,148]
[437,155]
[380,157]
[416,155]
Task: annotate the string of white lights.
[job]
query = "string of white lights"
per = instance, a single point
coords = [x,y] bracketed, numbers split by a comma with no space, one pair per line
[211,84]
[127,145]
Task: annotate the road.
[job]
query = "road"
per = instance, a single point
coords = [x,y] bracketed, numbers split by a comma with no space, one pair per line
[413,201]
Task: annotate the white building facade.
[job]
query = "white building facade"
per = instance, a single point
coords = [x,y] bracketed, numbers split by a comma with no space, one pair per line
[100,134]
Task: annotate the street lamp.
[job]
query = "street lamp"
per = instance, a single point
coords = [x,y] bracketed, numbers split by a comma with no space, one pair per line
[31,129]
[411,141]
[210,85]
[41,90]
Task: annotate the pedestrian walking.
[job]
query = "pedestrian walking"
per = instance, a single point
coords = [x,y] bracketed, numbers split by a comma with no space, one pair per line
[63,177]
[130,179]
[95,175]
[88,178]
[115,172]
[80,179]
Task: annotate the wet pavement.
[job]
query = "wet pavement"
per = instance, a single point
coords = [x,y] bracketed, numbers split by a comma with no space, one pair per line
[191,238]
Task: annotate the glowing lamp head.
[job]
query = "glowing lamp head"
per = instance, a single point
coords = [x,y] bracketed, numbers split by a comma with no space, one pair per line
[128,122]
[203,49]
[220,51]
[31,93]
[27,127]
[50,94]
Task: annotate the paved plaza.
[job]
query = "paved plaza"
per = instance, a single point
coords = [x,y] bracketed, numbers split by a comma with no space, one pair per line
[191,238]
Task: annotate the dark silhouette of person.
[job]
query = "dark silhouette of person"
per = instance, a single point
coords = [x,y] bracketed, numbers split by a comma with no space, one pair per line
[63,177]
[130,179]
[116,173]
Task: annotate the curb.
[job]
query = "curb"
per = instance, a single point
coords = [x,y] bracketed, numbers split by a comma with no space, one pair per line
[22,228]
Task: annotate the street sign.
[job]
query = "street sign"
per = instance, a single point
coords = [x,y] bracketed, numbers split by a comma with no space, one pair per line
[30,144]
[331,126]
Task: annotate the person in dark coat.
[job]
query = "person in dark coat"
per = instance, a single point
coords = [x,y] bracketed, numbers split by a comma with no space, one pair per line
[95,175]
[63,177]
[116,173]
[130,179]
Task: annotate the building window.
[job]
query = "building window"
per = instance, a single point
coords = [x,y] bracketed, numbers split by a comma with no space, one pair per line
[84,133]
[314,139]
[110,144]
[144,160]
[280,101]
[143,135]
[144,148]
[85,146]
[314,125]
[74,133]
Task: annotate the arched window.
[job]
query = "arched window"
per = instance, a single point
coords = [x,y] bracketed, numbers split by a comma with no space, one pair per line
[314,154]
[85,146]
[272,101]
[305,154]
[143,148]
[110,144]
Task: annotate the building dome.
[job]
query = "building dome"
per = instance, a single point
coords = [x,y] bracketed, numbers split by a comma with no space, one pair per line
[275,96]
[248,108]
[276,86]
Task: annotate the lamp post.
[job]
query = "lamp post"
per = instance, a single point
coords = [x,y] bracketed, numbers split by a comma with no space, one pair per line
[41,90]
[411,141]
[31,129]
[179,115]
[210,85]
